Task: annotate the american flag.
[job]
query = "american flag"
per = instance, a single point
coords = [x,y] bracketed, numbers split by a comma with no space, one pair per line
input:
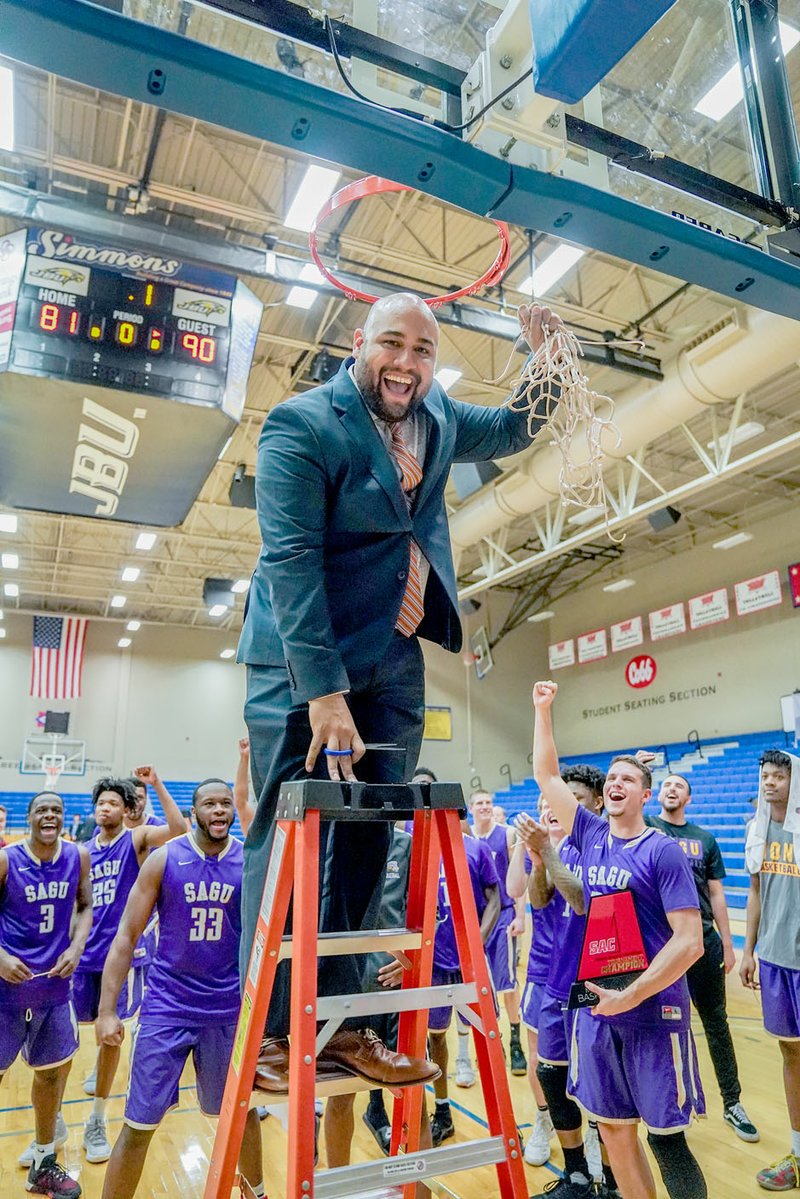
[57,658]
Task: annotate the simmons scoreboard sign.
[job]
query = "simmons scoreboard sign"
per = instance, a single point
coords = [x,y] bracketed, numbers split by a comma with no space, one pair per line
[122,375]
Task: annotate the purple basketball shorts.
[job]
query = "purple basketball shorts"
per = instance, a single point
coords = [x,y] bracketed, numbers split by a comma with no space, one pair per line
[47,1037]
[556,1023]
[531,1005]
[158,1057]
[500,954]
[622,1074]
[780,1000]
[86,986]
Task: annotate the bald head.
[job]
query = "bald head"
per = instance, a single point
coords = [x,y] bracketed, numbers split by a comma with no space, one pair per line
[395,355]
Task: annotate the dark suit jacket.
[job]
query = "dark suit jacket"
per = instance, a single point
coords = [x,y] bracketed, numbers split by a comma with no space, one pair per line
[336,531]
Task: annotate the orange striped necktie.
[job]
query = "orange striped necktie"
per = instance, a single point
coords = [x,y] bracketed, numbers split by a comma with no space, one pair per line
[411,610]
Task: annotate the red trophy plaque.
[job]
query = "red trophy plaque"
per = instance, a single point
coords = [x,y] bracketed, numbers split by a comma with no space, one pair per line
[613,951]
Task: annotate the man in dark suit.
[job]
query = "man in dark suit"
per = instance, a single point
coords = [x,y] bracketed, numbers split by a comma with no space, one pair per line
[355,566]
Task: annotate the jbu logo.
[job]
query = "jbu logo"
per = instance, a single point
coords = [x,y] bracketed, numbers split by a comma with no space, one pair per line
[640,671]
[99,469]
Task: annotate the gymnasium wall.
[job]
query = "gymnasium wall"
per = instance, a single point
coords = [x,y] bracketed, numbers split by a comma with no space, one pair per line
[721,680]
[172,701]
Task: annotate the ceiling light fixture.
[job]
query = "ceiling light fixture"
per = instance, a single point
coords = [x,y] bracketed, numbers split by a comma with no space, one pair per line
[145,541]
[240,586]
[10,561]
[317,185]
[2,633]
[133,626]
[537,616]
[586,515]
[727,543]
[118,601]
[124,642]
[447,376]
[130,574]
[8,522]
[620,585]
[6,108]
[727,92]
[745,432]
[11,590]
[550,270]
[217,609]
[228,653]
[304,297]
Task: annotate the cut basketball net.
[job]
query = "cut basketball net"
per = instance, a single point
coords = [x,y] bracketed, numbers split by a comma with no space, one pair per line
[553,387]
[52,773]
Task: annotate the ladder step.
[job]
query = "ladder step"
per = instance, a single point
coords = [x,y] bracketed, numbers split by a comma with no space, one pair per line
[345,1182]
[326,1085]
[376,940]
[402,999]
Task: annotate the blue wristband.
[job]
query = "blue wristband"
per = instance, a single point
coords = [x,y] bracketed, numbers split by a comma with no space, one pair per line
[338,753]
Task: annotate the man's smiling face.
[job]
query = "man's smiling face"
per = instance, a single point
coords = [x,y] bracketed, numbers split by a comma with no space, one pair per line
[395,356]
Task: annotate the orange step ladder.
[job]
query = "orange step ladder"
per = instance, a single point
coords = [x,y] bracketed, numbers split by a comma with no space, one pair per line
[293,870]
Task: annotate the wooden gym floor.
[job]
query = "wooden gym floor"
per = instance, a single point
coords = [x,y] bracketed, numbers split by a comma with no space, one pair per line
[179,1154]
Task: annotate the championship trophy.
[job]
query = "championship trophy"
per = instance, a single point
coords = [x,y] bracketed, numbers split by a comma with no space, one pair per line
[613,952]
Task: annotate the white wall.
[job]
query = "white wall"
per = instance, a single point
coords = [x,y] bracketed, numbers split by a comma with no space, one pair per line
[738,670]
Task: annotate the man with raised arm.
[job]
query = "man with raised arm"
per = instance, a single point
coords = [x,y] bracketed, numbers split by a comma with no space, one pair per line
[192,1003]
[641,1034]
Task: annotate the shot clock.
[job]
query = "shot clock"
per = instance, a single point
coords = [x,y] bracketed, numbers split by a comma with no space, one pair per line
[123,374]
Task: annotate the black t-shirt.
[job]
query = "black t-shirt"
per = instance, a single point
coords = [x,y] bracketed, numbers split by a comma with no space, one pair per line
[705,859]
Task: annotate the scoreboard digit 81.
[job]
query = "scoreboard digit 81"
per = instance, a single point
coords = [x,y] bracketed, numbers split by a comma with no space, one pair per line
[122,331]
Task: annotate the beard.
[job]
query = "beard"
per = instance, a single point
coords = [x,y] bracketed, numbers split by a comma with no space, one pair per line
[369,385]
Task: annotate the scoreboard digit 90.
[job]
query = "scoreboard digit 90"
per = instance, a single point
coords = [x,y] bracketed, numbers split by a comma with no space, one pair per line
[122,331]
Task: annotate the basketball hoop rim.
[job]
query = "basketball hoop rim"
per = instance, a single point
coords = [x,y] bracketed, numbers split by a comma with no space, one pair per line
[374,185]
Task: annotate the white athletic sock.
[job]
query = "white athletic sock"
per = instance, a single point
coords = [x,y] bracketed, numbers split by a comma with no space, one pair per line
[463,1048]
[99,1108]
[40,1152]
[259,1191]
[796,1143]
[442,1102]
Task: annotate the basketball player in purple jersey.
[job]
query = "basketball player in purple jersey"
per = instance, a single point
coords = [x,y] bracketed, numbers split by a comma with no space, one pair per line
[117,854]
[500,946]
[641,1034]
[192,1003]
[521,881]
[447,967]
[140,779]
[45,917]
[563,873]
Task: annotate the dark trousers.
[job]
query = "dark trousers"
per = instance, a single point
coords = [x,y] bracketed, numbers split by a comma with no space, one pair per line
[706,979]
[388,705]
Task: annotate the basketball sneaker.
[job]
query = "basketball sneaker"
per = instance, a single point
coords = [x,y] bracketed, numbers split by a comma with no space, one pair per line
[519,1064]
[740,1122]
[566,1188]
[26,1157]
[537,1147]
[90,1082]
[783,1175]
[442,1125]
[95,1140]
[50,1178]
[465,1075]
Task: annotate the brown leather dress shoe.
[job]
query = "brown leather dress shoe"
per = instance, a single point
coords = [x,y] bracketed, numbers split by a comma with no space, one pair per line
[365,1054]
[272,1070]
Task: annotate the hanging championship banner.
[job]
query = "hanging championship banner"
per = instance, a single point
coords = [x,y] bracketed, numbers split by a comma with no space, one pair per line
[712,608]
[666,622]
[592,646]
[561,654]
[627,633]
[755,594]
[613,953]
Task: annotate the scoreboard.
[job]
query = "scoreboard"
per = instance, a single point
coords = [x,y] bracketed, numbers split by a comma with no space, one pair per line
[87,323]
